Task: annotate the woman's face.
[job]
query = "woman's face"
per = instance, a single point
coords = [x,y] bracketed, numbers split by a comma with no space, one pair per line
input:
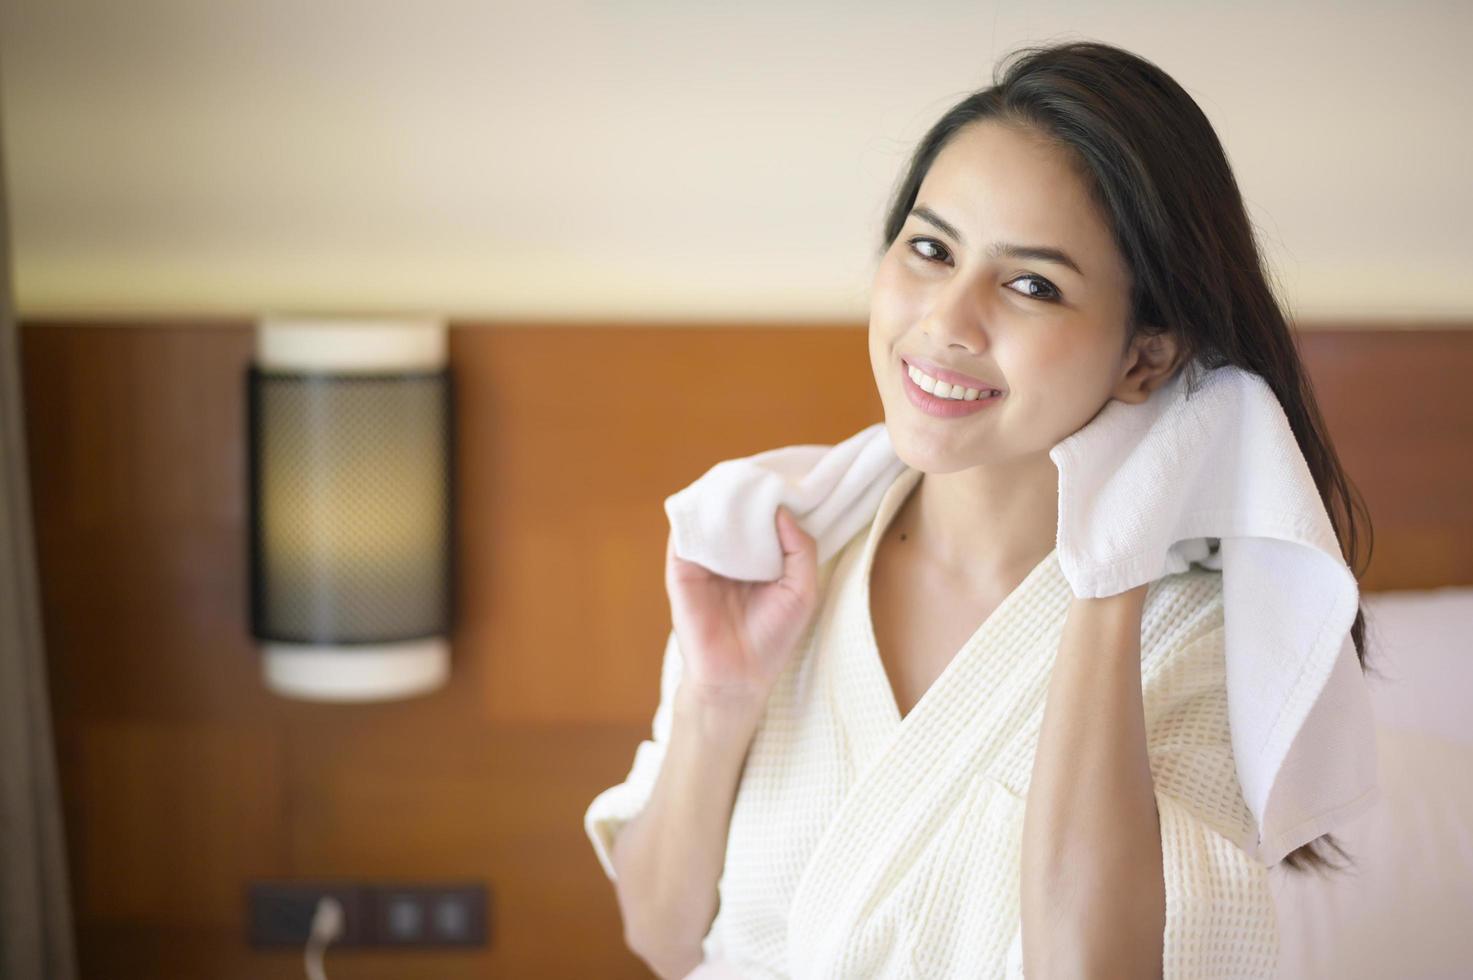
[1047,334]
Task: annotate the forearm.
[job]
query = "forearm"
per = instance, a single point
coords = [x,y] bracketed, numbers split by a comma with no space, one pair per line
[1093,894]
[669,859]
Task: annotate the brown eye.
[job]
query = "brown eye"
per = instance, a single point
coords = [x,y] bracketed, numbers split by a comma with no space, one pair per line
[1050,292]
[926,241]
[1047,292]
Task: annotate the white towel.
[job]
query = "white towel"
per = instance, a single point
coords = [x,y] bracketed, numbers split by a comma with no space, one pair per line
[1144,490]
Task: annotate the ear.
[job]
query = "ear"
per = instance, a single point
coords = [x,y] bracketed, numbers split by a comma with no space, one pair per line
[1152,361]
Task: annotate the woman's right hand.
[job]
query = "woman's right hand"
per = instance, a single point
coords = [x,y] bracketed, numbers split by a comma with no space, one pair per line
[736,637]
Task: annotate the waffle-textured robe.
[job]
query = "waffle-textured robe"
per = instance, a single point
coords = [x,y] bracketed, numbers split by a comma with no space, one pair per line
[864,845]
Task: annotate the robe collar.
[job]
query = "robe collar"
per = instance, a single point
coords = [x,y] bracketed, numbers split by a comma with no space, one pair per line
[905,776]
[861,682]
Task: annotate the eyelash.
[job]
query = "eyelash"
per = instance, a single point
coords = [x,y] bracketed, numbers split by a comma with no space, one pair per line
[1054,298]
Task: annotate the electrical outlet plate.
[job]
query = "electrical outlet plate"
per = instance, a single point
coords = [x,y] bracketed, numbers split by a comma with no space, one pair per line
[431,915]
[281,912]
[374,913]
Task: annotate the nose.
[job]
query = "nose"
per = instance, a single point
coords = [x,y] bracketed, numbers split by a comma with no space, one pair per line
[959,315]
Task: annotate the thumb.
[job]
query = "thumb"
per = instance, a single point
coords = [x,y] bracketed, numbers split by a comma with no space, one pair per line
[798,551]
[790,532]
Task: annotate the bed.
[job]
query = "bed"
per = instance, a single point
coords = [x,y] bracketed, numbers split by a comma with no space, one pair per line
[1405,910]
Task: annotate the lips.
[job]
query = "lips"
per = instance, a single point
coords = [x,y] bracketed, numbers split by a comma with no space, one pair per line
[949,376]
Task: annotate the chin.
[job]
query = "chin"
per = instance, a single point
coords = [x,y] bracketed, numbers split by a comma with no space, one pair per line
[928,455]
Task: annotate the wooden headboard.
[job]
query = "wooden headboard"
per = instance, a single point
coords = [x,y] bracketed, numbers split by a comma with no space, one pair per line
[183,778]
[1400,411]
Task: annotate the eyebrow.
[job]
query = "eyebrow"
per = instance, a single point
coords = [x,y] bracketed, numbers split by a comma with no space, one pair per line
[1040,253]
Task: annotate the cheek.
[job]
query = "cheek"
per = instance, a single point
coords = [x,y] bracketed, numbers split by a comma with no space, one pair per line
[1068,383]
[891,293]
[1059,361]
[888,316]
[882,356]
[1051,367]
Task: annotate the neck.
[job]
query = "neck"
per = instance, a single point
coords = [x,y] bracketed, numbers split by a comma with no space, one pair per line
[986,525]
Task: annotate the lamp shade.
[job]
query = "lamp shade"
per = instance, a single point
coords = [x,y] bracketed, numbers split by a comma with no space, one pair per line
[351,504]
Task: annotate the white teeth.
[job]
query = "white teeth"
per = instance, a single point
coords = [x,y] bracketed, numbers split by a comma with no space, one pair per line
[943,390]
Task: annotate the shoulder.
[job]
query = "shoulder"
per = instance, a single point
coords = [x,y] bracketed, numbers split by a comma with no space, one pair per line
[1182,648]
[1180,611]
[851,552]
[1184,690]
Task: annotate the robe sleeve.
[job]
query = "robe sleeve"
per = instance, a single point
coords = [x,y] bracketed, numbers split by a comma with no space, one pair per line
[1220,914]
[1221,919]
[617,805]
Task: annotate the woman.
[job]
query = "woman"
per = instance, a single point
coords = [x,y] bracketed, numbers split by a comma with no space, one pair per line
[1071,235]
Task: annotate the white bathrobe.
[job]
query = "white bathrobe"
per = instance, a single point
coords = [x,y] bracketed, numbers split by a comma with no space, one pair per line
[864,845]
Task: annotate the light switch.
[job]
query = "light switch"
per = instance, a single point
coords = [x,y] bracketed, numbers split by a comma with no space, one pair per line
[452,918]
[404,917]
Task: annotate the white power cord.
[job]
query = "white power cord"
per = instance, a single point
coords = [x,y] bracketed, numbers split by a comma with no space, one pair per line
[327,925]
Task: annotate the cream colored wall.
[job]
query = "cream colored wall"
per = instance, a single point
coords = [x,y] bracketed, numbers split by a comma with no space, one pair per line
[658,160]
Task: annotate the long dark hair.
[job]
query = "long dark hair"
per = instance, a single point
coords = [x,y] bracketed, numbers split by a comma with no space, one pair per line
[1155,167]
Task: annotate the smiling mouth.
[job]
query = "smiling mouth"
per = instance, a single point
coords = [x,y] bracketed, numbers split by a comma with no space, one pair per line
[983,390]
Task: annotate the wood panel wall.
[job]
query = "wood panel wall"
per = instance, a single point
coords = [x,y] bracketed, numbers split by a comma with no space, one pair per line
[183,778]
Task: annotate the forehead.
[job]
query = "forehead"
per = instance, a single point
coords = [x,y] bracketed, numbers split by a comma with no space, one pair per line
[997,182]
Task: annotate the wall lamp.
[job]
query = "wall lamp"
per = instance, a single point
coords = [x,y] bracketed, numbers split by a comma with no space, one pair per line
[351,503]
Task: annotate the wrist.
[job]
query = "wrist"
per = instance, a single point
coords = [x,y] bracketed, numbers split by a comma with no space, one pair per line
[1131,602]
[1107,626]
[721,711]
